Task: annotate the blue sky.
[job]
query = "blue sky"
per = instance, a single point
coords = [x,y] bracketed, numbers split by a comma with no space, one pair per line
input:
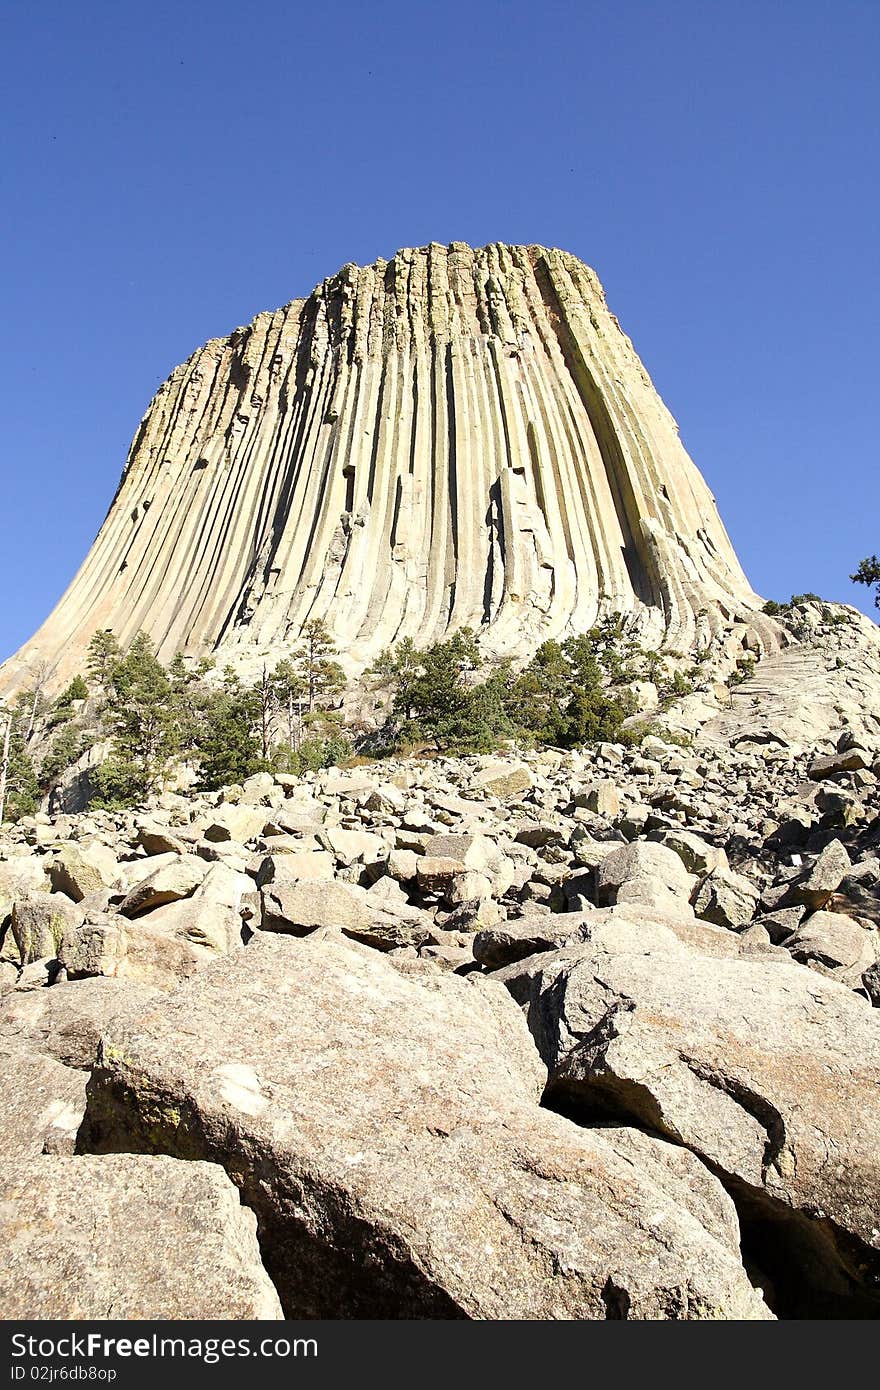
[169,171]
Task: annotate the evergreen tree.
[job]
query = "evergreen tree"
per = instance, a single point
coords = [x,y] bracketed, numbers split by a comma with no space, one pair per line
[62,710]
[66,747]
[561,697]
[228,742]
[19,789]
[868,573]
[539,694]
[290,690]
[323,676]
[143,716]
[432,695]
[103,654]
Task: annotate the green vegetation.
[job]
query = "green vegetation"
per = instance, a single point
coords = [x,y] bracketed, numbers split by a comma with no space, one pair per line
[868,573]
[156,716]
[447,697]
[19,787]
[778,610]
[743,671]
[571,693]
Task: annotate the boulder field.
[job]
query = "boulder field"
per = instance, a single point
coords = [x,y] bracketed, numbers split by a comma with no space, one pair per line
[538,1036]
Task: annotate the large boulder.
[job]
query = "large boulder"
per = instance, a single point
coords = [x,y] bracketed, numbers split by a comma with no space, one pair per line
[301,908]
[834,945]
[386,1131]
[128,1237]
[769,1072]
[627,926]
[313,864]
[859,893]
[20,876]
[239,823]
[161,949]
[167,884]
[726,898]
[39,922]
[833,764]
[79,870]
[527,936]
[822,879]
[502,778]
[43,1103]
[643,872]
[66,1021]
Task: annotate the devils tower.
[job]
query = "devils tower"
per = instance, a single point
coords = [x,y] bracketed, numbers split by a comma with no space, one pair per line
[450,438]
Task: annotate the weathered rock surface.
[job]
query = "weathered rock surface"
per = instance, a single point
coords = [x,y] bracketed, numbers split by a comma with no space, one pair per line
[127,1236]
[769,1073]
[66,1022]
[643,872]
[43,1103]
[387,1134]
[38,924]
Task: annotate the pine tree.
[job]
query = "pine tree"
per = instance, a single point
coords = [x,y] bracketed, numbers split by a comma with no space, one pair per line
[19,789]
[290,689]
[143,716]
[323,676]
[432,695]
[228,742]
[539,694]
[868,573]
[62,710]
[103,654]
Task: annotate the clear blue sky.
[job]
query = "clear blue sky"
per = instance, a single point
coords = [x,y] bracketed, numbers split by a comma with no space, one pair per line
[171,169]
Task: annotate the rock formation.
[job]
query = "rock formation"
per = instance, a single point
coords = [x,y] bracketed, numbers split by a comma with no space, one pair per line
[308,988]
[543,1035]
[450,438]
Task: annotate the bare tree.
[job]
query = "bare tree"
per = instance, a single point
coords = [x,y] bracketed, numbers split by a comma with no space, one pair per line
[4,758]
[40,673]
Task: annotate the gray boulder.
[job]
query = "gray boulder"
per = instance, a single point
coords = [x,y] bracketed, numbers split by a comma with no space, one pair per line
[386,1131]
[834,945]
[66,1022]
[816,887]
[750,1065]
[43,1103]
[726,898]
[39,922]
[643,872]
[128,1237]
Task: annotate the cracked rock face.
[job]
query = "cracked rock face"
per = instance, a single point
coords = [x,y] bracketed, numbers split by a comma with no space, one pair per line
[770,1074]
[386,1132]
[450,438]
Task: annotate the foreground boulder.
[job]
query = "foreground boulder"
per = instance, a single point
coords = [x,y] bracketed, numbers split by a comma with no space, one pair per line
[386,1132]
[128,1237]
[769,1072]
[39,922]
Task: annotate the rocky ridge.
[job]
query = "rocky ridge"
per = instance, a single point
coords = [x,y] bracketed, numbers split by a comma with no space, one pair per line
[591,1034]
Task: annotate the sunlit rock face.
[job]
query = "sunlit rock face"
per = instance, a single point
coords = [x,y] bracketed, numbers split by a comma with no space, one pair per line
[450,438]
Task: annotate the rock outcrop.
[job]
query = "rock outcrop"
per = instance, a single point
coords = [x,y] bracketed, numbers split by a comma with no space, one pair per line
[450,438]
[771,1075]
